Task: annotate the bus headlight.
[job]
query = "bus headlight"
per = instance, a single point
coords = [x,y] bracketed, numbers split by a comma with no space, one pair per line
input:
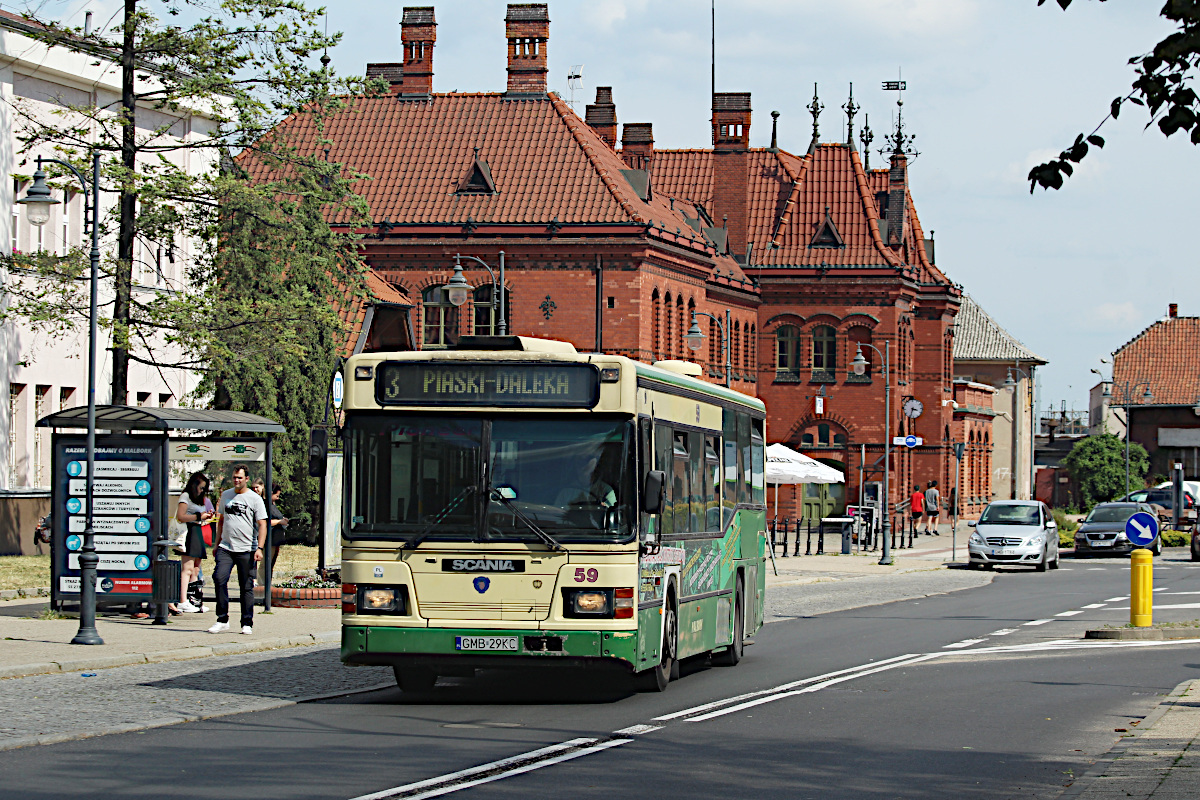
[391,600]
[590,603]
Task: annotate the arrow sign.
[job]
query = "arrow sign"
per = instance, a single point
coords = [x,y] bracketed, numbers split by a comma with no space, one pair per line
[339,390]
[1142,528]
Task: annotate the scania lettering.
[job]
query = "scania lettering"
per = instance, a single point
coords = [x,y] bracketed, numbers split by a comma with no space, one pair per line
[511,503]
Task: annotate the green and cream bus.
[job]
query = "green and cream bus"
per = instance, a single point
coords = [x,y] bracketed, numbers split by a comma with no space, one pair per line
[512,503]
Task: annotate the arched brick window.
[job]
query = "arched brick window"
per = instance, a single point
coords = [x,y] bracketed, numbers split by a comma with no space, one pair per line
[677,345]
[439,319]
[668,333]
[787,351]
[824,352]
[736,349]
[750,360]
[655,326]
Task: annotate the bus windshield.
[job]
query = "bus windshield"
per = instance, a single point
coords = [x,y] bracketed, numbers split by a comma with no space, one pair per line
[483,479]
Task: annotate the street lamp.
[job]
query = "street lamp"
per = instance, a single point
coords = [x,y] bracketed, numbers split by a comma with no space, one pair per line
[859,367]
[1010,386]
[695,337]
[1127,390]
[458,289]
[37,202]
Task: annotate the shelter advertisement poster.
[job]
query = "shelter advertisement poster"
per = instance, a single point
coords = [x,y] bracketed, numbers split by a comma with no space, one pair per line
[127,508]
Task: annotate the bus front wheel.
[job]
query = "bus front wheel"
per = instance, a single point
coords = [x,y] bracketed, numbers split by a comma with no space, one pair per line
[415,679]
[657,678]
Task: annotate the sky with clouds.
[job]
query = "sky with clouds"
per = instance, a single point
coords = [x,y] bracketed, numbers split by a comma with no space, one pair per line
[994,87]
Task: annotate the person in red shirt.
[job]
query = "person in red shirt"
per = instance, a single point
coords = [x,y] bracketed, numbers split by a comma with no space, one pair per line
[917,507]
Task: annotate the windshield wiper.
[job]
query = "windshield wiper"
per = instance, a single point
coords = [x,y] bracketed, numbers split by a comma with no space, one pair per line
[415,542]
[550,541]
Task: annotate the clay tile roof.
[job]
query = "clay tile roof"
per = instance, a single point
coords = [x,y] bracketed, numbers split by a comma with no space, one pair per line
[1165,355]
[418,15]
[527,12]
[731,101]
[978,337]
[686,175]
[352,311]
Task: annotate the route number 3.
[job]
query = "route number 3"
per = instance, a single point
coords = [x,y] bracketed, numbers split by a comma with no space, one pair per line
[591,575]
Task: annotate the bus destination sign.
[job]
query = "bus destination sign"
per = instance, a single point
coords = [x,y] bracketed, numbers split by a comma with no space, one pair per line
[418,383]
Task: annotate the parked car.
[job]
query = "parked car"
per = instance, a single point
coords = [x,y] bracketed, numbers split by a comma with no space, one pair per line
[1014,533]
[1103,532]
[1164,503]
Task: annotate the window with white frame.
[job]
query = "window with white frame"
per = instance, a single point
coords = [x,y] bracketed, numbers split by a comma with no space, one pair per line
[41,401]
[14,399]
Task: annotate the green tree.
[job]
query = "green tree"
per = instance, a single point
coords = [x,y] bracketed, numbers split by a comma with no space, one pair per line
[1097,464]
[1161,85]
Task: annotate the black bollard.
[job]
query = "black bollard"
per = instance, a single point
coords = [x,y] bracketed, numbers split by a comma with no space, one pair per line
[796,538]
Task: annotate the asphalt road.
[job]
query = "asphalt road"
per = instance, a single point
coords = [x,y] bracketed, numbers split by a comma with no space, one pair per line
[985,692]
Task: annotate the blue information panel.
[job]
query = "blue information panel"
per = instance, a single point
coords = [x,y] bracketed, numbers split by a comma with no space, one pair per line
[1142,528]
[127,513]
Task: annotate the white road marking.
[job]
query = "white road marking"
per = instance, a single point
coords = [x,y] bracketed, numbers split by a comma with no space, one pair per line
[1116,599]
[1003,632]
[1039,622]
[1165,605]
[1096,605]
[1070,613]
[638,730]
[1161,589]
[1175,593]
[963,643]
[1095,569]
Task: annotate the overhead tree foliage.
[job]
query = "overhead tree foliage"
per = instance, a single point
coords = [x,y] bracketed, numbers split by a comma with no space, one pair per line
[1162,85]
[1097,463]
[255,314]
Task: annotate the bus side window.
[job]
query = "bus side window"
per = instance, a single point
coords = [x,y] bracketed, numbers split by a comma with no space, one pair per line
[743,442]
[681,490]
[664,459]
[696,479]
[712,483]
[646,463]
[757,466]
[730,495]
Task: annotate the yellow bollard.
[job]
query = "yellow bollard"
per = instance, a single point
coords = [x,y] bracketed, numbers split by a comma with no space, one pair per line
[1141,588]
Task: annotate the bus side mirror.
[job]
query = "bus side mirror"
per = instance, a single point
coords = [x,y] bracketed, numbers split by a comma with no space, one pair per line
[318,451]
[654,491]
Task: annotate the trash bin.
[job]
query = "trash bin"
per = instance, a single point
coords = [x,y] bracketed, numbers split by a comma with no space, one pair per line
[846,525]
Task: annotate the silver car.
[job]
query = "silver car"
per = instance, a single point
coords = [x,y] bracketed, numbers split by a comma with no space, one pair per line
[1019,533]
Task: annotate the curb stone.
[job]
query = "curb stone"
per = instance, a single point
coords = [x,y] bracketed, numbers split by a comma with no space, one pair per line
[20,594]
[155,657]
[1118,750]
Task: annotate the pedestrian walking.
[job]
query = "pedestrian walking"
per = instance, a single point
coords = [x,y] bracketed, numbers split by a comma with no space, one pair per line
[917,506]
[933,509]
[241,537]
[191,512]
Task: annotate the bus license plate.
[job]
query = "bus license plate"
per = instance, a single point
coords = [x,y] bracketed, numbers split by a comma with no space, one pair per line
[485,643]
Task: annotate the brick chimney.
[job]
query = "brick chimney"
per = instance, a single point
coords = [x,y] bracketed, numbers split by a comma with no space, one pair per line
[637,144]
[418,32]
[602,116]
[731,121]
[897,199]
[527,28]
[1173,310]
[392,73]
[731,143]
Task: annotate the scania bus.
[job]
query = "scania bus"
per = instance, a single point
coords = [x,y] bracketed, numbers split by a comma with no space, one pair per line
[510,502]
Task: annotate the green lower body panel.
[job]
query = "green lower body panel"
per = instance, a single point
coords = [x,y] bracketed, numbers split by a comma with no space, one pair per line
[381,645]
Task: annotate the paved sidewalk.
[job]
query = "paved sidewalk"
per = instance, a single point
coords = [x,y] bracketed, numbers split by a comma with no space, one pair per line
[1160,759]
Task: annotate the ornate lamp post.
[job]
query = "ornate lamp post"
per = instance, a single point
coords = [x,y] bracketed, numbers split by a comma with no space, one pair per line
[458,289]
[1127,390]
[37,202]
[695,337]
[859,366]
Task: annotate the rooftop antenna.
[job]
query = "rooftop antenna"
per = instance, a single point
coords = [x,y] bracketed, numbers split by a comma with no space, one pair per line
[714,47]
[574,81]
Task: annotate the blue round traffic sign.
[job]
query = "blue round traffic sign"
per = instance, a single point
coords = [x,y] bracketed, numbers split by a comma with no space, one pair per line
[142,487]
[141,562]
[910,441]
[1142,528]
[74,505]
[141,525]
[74,542]
[74,469]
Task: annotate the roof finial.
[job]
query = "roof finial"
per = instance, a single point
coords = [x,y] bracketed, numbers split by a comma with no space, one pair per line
[774,130]
[866,137]
[814,108]
[851,108]
[899,141]
[325,51]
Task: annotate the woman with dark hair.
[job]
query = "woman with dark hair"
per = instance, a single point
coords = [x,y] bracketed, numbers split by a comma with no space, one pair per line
[192,513]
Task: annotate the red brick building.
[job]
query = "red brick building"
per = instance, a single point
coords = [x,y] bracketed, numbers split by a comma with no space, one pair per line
[611,244]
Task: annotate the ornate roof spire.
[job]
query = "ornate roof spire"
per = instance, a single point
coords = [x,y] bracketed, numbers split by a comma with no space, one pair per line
[815,108]
[851,108]
[866,137]
[774,130]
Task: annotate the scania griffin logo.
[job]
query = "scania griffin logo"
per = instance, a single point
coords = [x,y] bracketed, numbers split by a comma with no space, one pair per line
[482,565]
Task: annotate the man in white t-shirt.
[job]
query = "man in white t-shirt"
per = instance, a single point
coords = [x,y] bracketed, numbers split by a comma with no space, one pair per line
[241,537]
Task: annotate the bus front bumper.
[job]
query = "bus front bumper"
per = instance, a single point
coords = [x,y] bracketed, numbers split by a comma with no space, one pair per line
[378,645]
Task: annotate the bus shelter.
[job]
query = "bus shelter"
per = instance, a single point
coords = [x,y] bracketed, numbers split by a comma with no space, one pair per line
[131,491]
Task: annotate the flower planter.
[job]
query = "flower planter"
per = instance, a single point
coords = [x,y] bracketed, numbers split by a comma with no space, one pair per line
[327,597]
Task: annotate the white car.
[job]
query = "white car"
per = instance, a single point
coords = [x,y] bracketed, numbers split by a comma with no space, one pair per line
[1020,533]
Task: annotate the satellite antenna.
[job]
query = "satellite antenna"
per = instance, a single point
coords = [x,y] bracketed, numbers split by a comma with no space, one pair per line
[574,81]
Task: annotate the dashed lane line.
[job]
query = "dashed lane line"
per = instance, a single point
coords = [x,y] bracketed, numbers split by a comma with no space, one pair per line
[1096,605]
[1003,632]
[963,643]
[1069,613]
[1038,622]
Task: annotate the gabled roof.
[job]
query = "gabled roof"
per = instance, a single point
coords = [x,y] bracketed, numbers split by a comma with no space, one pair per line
[978,337]
[547,164]
[1165,356]
[353,311]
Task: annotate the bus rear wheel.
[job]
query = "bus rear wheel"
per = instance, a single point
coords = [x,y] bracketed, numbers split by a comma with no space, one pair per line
[656,678]
[731,656]
[415,679]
